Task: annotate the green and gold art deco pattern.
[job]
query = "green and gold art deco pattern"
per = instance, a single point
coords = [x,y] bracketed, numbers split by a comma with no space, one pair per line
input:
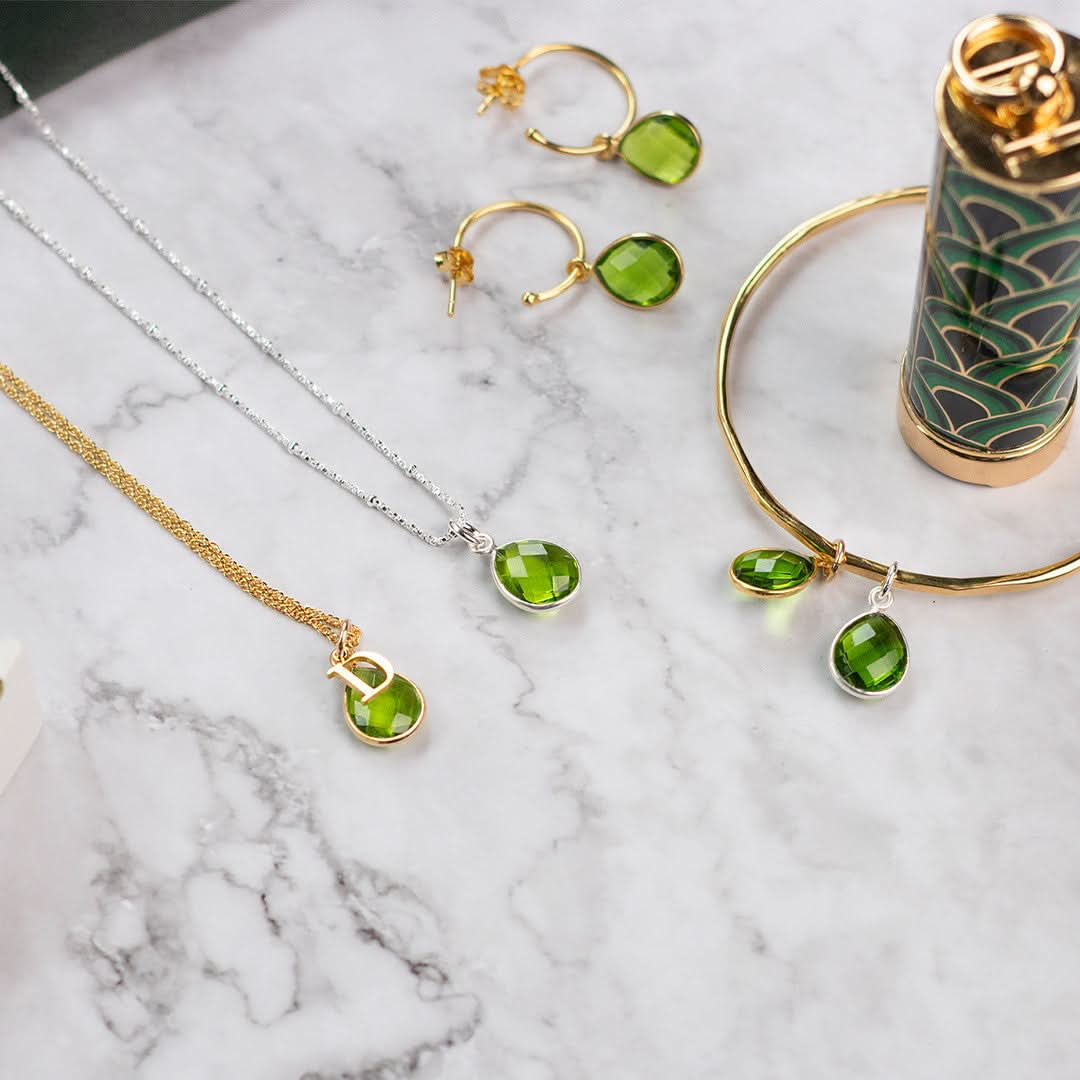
[991,365]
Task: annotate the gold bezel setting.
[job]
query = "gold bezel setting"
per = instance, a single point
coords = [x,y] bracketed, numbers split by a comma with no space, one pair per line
[343,670]
[772,594]
[640,236]
[677,116]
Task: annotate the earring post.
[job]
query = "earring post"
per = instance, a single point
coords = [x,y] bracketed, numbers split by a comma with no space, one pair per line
[504,83]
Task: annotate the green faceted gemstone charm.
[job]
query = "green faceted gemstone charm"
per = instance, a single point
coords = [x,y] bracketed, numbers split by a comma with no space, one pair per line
[535,574]
[663,146]
[869,655]
[391,715]
[641,270]
[765,572]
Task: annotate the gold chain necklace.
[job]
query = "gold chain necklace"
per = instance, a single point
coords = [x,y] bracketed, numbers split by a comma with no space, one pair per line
[380,706]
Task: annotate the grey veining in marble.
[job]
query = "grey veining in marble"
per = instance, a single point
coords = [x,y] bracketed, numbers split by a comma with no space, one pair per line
[647,838]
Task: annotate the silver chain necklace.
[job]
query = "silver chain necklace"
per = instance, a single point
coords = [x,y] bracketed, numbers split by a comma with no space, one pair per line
[533,574]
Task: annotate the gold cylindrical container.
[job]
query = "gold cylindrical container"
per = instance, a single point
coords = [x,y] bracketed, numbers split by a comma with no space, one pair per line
[988,385]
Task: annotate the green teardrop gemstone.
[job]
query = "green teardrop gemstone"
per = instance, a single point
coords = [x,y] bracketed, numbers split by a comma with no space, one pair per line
[390,715]
[640,270]
[771,573]
[536,574]
[870,655]
[663,146]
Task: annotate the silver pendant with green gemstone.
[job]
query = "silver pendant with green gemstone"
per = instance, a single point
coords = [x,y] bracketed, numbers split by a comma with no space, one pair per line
[534,575]
[869,656]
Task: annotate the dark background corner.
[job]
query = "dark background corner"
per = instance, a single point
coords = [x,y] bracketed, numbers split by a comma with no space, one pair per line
[47,43]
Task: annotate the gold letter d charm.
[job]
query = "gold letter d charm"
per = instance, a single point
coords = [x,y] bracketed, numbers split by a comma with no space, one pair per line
[385,710]
[344,672]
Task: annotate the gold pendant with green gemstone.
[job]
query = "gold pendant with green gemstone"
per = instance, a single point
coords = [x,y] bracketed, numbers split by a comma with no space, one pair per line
[381,707]
[641,270]
[663,146]
[772,572]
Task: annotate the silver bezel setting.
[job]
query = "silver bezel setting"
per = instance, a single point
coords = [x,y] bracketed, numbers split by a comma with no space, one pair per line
[524,605]
[867,695]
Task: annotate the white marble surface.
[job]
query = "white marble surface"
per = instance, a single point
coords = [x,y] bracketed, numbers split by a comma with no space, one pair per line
[645,839]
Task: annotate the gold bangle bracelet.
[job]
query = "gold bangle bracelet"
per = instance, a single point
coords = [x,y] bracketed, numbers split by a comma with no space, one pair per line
[831,553]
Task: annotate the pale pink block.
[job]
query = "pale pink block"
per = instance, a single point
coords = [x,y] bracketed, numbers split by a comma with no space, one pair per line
[20,717]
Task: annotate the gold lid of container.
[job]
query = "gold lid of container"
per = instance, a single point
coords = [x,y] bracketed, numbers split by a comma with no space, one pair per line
[1008,103]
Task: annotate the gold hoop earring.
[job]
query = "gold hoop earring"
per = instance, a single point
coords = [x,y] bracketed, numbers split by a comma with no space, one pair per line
[640,270]
[663,146]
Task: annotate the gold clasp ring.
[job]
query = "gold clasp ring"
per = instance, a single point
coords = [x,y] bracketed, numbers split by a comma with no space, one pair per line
[1009,70]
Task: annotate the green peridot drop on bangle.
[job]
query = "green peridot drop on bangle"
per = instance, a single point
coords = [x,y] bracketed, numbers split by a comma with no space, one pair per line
[663,146]
[535,574]
[391,714]
[640,270]
[870,655]
[768,572]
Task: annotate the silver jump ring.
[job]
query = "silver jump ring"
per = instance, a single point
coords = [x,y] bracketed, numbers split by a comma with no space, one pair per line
[890,577]
[881,595]
[480,542]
